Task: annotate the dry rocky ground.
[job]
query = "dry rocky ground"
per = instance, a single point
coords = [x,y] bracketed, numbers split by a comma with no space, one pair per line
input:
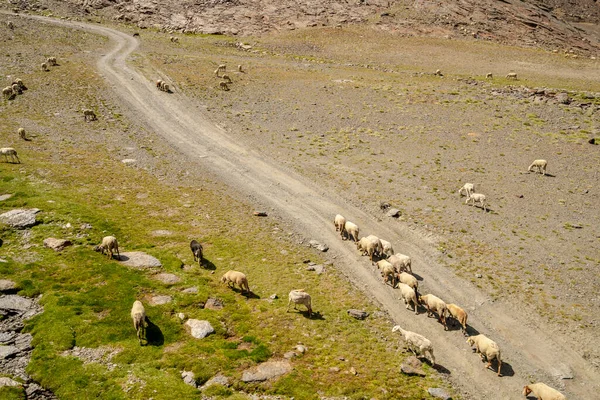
[374,124]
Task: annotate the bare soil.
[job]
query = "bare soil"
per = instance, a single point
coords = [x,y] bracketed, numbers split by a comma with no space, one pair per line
[308,150]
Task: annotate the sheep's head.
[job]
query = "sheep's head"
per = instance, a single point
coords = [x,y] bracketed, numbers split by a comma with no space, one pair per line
[99,248]
[396,328]
[223,278]
[526,390]
[470,341]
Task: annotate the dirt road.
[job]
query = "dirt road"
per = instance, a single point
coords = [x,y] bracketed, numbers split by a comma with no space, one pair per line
[527,351]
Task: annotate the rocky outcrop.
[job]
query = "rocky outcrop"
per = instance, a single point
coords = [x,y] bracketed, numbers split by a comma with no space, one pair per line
[20,218]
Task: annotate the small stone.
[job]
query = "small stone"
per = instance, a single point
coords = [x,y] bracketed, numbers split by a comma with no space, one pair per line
[412,366]
[67,226]
[301,348]
[217,380]
[7,285]
[199,329]
[393,213]
[191,290]
[167,279]
[289,355]
[273,296]
[85,226]
[129,161]
[563,98]
[358,314]
[213,304]
[334,369]
[439,393]
[319,246]
[181,316]
[56,244]
[353,371]
[159,300]
[189,378]
[478,275]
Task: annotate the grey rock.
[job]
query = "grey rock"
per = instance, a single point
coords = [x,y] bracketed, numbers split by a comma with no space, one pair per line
[167,279]
[129,161]
[8,351]
[393,213]
[159,300]
[412,366]
[7,285]
[191,290]
[301,348]
[563,98]
[85,226]
[20,218]
[23,341]
[5,197]
[13,302]
[217,380]
[318,268]
[319,246]
[199,329]
[56,244]
[8,382]
[289,355]
[189,378]
[273,296]
[161,232]
[439,393]
[358,314]
[334,369]
[267,370]
[213,304]
[7,337]
[139,260]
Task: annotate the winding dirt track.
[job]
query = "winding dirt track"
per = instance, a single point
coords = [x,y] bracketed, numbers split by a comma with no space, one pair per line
[528,351]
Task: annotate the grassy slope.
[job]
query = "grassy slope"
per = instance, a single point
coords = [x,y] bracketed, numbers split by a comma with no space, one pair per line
[71,171]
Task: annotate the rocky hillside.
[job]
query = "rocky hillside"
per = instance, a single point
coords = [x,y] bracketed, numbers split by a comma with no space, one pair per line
[565,25]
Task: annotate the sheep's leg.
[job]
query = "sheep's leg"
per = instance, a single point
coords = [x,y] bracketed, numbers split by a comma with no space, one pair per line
[499,367]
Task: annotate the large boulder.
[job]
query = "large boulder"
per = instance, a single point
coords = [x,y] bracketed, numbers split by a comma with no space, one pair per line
[267,370]
[139,260]
[199,329]
[20,218]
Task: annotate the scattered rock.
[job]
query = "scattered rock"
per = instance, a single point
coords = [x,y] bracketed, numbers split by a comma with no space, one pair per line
[358,314]
[181,316]
[393,213]
[412,366]
[478,276]
[8,382]
[129,161]
[439,393]
[334,369]
[353,371]
[56,244]
[319,246]
[85,226]
[191,290]
[189,378]
[218,379]
[159,300]
[301,348]
[199,329]
[161,232]
[273,296]
[7,285]
[167,279]
[20,218]
[213,304]
[267,370]
[289,355]
[5,197]
[139,260]
[563,98]
[318,268]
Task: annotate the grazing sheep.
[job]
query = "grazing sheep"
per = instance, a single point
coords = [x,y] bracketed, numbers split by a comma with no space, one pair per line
[351,230]
[9,151]
[489,75]
[401,262]
[239,69]
[223,85]
[138,315]
[45,67]
[159,83]
[387,272]
[21,132]
[174,39]
[89,115]
[196,251]
[10,25]
[8,92]
[543,392]
[51,61]
[16,89]
[540,165]
[234,277]
[164,86]
[217,73]
[438,72]
[222,68]
[409,296]
[468,188]
[227,79]
[340,222]
[477,198]
[409,280]
[299,296]
[369,245]
[511,75]
[458,314]
[387,249]
[437,305]
[110,245]
[19,82]
[487,349]
[418,344]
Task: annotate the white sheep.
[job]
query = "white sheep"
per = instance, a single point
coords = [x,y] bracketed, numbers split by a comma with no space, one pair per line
[409,296]
[174,39]
[51,61]
[21,132]
[468,189]
[511,75]
[437,305]
[401,262]
[299,296]
[239,69]
[543,392]
[340,222]
[487,349]
[223,85]
[235,277]
[388,250]
[217,73]
[8,92]
[418,344]
[138,315]
[540,165]
[16,89]
[44,67]
[164,86]
[222,68]
[409,280]
[477,198]
[9,151]
[159,83]
[226,78]
[369,245]
[110,245]
[351,230]
[387,272]
[438,72]
[458,314]
[89,115]
[489,75]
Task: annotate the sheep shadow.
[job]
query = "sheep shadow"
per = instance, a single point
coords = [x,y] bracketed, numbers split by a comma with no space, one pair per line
[506,369]
[549,175]
[119,257]
[207,264]
[154,336]
[441,369]
[251,295]
[417,276]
